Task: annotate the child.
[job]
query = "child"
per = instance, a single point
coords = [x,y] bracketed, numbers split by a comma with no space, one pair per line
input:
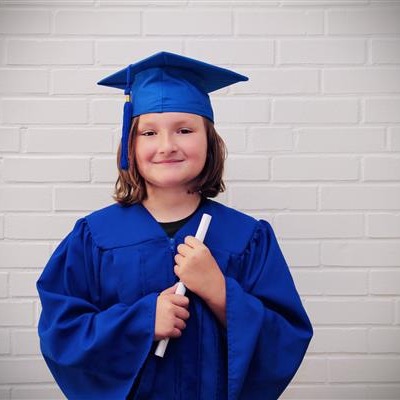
[108,291]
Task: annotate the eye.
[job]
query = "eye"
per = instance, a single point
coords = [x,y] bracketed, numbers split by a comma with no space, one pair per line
[147,133]
[185,131]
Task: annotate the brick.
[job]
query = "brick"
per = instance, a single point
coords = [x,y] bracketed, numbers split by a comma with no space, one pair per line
[2,51]
[339,340]
[397,318]
[328,392]
[315,110]
[24,21]
[9,139]
[50,52]
[382,169]
[104,170]
[117,130]
[384,110]
[387,391]
[325,3]
[383,225]
[384,340]
[360,198]
[24,371]
[356,283]
[25,342]
[5,346]
[301,254]
[107,22]
[44,111]
[1,227]
[23,255]
[340,140]
[322,51]
[350,312]
[46,170]
[39,227]
[361,254]
[107,111]
[366,21]
[234,138]
[311,370]
[385,51]
[72,198]
[3,285]
[385,282]
[318,226]
[232,52]
[247,168]
[23,284]
[308,283]
[23,81]
[16,314]
[143,2]
[270,139]
[364,369]
[331,283]
[273,197]
[15,198]
[188,22]
[394,137]
[285,22]
[69,140]
[314,168]
[43,392]
[279,81]
[113,51]
[76,82]
[361,81]
[233,2]
[241,110]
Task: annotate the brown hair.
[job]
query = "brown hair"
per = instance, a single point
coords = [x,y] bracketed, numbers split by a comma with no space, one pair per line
[130,187]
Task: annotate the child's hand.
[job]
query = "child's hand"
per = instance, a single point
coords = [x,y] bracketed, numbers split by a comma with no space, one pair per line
[171,314]
[198,270]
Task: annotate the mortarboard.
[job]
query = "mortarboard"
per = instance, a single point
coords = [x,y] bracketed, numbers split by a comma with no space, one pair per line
[167,82]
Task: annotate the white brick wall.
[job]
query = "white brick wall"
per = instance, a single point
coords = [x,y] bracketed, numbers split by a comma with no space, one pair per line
[313,140]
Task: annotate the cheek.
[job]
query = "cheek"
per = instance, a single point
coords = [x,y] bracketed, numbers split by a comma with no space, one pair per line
[199,149]
[142,152]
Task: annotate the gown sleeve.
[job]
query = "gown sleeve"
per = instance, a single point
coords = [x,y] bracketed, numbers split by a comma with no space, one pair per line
[268,330]
[92,352]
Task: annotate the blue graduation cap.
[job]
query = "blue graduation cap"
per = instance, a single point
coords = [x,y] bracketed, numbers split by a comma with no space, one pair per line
[167,82]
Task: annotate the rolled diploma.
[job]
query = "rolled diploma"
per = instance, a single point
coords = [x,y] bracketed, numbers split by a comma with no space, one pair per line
[181,289]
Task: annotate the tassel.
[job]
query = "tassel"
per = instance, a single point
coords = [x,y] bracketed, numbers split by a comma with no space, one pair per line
[126,127]
[126,122]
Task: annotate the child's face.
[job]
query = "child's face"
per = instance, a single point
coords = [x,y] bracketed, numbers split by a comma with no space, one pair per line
[170,149]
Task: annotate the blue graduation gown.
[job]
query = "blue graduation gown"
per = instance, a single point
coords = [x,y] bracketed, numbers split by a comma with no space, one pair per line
[99,292]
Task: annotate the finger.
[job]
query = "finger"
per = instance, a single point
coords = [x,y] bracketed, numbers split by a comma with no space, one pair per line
[191,241]
[182,313]
[175,333]
[183,249]
[179,300]
[180,324]
[178,259]
[177,270]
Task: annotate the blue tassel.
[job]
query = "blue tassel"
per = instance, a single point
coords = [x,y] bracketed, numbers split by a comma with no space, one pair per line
[126,127]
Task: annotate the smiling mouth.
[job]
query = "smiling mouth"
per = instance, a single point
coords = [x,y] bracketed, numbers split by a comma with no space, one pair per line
[168,162]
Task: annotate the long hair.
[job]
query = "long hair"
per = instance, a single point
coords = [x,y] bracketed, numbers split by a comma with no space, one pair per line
[130,187]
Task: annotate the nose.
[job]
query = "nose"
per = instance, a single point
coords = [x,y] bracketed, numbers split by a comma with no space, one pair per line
[167,143]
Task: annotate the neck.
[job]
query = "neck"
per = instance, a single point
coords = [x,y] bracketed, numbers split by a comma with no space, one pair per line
[170,205]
